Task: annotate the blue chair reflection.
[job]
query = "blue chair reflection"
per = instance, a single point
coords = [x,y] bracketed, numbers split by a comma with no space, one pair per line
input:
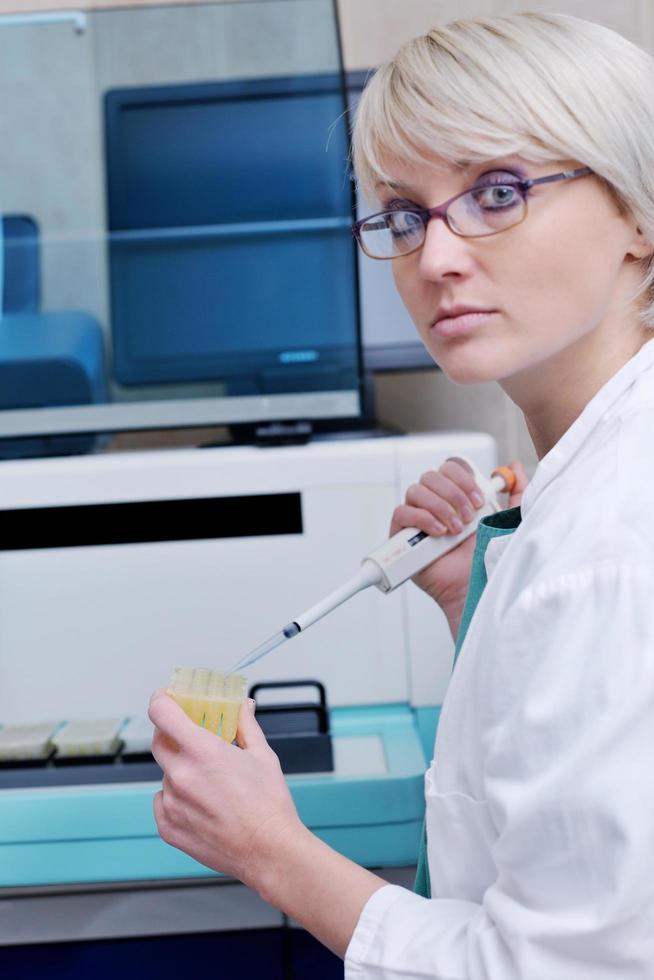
[47,359]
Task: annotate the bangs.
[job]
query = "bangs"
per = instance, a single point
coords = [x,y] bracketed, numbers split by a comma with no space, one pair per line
[467,93]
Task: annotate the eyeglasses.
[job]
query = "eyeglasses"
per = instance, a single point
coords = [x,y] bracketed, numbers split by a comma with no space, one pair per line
[475,213]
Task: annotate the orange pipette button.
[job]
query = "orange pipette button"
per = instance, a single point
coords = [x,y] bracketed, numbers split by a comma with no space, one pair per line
[507,475]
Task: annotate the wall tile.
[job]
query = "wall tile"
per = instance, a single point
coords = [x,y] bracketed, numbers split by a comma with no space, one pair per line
[372,30]
[632,18]
[427,401]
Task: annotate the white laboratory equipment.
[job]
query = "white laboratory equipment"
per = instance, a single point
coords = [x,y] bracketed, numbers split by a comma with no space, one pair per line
[117,567]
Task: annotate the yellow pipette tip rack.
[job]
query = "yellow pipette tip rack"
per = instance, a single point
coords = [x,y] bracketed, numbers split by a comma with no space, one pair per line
[210,698]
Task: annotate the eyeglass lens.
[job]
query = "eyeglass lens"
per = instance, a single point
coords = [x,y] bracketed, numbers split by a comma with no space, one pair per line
[481,211]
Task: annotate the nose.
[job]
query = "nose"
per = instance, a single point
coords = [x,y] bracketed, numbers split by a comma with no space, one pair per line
[443,253]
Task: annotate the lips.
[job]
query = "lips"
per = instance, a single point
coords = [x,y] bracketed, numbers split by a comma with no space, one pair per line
[460,321]
[455,311]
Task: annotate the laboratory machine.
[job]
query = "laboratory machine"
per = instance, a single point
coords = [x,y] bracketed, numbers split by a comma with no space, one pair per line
[118,567]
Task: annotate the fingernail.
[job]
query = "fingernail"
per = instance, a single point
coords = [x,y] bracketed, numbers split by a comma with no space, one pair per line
[439,528]
[466,513]
[456,525]
[477,498]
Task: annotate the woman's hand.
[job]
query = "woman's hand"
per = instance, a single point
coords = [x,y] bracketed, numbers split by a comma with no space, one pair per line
[221,804]
[230,809]
[434,505]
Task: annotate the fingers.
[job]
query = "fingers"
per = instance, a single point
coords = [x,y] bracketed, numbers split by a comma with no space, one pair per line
[160,807]
[443,502]
[463,478]
[450,519]
[157,805]
[405,516]
[176,735]
[164,750]
[166,715]
[456,499]
[249,734]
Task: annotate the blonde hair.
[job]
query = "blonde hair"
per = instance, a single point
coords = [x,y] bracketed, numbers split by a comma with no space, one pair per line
[542,85]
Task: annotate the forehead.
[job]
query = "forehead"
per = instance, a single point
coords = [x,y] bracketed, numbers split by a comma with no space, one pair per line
[399,174]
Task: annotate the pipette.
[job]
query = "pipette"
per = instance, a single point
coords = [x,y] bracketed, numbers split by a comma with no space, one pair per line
[398,559]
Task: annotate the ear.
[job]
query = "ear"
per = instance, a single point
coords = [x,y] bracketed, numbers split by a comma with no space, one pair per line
[641,247]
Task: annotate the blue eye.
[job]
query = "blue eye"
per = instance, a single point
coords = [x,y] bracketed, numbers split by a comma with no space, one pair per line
[497,197]
[404,224]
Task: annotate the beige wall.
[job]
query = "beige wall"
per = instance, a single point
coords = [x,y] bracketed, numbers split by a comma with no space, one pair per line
[372,31]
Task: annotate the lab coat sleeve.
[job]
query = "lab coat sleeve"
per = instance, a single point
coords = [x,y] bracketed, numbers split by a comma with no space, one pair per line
[568,736]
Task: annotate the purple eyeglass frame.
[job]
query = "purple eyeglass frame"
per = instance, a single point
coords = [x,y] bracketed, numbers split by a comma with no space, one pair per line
[440,211]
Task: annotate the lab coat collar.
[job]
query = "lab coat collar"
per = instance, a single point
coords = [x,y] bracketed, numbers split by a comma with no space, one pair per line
[571,441]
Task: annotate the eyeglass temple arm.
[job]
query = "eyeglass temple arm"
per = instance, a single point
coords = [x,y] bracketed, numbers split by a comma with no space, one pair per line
[441,212]
[564,175]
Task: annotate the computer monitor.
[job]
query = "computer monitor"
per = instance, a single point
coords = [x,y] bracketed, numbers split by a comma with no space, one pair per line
[237,295]
[230,248]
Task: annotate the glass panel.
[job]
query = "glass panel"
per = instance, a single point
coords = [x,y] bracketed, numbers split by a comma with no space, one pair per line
[176,219]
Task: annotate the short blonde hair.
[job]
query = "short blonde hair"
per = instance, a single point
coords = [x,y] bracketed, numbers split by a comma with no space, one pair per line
[545,86]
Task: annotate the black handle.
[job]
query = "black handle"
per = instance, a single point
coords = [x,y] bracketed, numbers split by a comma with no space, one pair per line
[276,685]
[296,708]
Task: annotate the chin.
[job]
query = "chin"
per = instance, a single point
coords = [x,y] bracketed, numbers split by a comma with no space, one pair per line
[466,366]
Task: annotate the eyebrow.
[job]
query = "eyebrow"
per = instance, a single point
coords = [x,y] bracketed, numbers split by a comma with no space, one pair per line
[391,185]
[461,165]
[464,166]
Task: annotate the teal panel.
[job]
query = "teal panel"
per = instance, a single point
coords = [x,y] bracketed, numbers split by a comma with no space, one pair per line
[74,813]
[108,833]
[427,723]
[377,845]
[143,859]
[68,862]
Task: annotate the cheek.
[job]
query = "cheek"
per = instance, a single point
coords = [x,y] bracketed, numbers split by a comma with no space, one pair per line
[399,277]
[408,284]
[564,273]
[579,255]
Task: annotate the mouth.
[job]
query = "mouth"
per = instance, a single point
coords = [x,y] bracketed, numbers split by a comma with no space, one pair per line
[458,324]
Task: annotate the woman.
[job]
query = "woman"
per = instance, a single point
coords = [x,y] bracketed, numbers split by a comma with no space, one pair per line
[537,132]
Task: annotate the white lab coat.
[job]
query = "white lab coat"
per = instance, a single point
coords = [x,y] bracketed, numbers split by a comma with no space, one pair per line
[540,804]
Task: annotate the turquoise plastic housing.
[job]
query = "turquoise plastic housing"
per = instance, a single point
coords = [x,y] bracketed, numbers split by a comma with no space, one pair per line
[71,835]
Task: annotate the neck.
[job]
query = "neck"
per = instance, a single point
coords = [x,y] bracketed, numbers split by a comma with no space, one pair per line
[553,394]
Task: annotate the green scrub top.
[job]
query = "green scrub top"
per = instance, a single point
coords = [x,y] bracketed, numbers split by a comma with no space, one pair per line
[494,526]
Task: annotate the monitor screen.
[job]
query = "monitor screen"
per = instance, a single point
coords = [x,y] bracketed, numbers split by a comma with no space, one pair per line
[231,254]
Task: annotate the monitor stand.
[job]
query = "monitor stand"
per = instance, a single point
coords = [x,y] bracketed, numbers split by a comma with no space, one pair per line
[297,432]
